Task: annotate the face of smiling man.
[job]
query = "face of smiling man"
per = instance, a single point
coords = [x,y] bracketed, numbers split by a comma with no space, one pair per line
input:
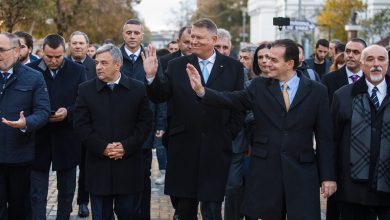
[375,62]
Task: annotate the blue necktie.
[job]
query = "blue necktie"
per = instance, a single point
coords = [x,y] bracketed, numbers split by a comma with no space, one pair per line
[205,71]
[111,86]
[374,98]
[132,58]
[4,77]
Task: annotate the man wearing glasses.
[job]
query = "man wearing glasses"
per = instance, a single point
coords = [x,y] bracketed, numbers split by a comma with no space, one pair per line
[24,107]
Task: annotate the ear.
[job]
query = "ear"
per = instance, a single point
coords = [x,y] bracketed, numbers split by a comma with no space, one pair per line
[214,38]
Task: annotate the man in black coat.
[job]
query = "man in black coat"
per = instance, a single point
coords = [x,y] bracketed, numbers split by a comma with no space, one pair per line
[24,108]
[78,48]
[350,72]
[200,137]
[361,116]
[113,118]
[56,144]
[285,172]
[132,33]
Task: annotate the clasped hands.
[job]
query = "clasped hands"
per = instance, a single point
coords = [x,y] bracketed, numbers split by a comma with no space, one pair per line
[114,150]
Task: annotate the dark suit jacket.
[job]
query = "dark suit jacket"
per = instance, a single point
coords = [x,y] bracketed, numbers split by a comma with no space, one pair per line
[200,137]
[136,71]
[25,91]
[284,166]
[347,189]
[90,67]
[103,116]
[168,57]
[335,80]
[56,142]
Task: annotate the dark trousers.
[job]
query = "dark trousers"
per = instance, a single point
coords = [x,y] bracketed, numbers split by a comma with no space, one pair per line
[234,188]
[146,194]
[14,191]
[82,194]
[332,208]
[187,209]
[125,206]
[66,184]
[351,211]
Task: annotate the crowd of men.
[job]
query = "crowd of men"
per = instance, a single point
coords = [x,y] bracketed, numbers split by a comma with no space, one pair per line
[268,132]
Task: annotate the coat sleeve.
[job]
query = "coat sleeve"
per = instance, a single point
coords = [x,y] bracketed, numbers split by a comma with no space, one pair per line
[40,106]
[324,140]
[70,108]
[142,130]
[83,127]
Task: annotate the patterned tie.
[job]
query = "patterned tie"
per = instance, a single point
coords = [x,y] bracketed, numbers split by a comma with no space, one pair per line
[4,77]
[132,58]
[285,96]
[374,97]
[205,71]
[354,78]
[53,73]
[111,86]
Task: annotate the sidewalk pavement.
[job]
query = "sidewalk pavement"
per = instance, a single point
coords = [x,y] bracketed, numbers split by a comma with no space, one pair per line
[161,208]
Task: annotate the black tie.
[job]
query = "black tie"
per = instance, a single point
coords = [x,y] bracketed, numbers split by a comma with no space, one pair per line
[132,58]
[374,98]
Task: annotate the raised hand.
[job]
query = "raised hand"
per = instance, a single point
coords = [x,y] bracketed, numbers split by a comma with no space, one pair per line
[149,58]
[195,80]
[19,124]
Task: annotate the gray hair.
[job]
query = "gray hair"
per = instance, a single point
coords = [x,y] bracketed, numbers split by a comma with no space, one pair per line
[80,33]
[206,23]
[13,38]
[223,33]
[365,51]
[114,51]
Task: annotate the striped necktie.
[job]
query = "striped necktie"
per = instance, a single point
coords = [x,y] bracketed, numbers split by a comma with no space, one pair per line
[374,98]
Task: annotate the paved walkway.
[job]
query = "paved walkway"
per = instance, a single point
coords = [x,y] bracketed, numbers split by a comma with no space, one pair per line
[161,208]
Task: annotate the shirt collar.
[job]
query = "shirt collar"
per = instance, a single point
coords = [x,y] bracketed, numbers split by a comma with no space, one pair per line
[292,83]
[116,81]
[350,73]
[210,59]
[137,53]
[381,87]
[82,60]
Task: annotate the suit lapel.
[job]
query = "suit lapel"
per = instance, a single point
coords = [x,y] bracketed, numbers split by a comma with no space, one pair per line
[275,91]
[216,70]
[342,77]
[303,90]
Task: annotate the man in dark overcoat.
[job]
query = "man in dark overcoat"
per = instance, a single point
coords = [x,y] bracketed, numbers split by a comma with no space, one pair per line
[113,118]
[200,137]
[285,172]
[56,143]
[361,115]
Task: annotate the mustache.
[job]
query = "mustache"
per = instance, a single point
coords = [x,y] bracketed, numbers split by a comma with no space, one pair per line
[376,69]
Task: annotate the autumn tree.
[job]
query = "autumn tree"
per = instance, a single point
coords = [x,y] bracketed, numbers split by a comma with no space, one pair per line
[335,15]
[14,12]
[226,14]
[377,26]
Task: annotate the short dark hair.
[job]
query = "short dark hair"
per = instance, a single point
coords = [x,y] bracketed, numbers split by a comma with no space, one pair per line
[292,51]
[172,42]
[300,46]
[322,42]
[208,24]
[255,65]
[181,31]
[135,22]
[359,40]
[27,37]
[340,48]
[53,41]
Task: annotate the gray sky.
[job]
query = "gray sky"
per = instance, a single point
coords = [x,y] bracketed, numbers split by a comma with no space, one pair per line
[157,14]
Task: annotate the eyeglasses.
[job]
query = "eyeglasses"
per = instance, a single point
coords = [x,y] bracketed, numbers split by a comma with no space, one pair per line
[2,50]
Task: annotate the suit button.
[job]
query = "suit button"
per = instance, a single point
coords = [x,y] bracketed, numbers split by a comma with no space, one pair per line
[285,133]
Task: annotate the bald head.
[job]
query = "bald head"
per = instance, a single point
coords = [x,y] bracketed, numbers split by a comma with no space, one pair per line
[375,62]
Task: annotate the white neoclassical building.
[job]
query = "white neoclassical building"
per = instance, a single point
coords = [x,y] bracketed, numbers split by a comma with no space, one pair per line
[261,14]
